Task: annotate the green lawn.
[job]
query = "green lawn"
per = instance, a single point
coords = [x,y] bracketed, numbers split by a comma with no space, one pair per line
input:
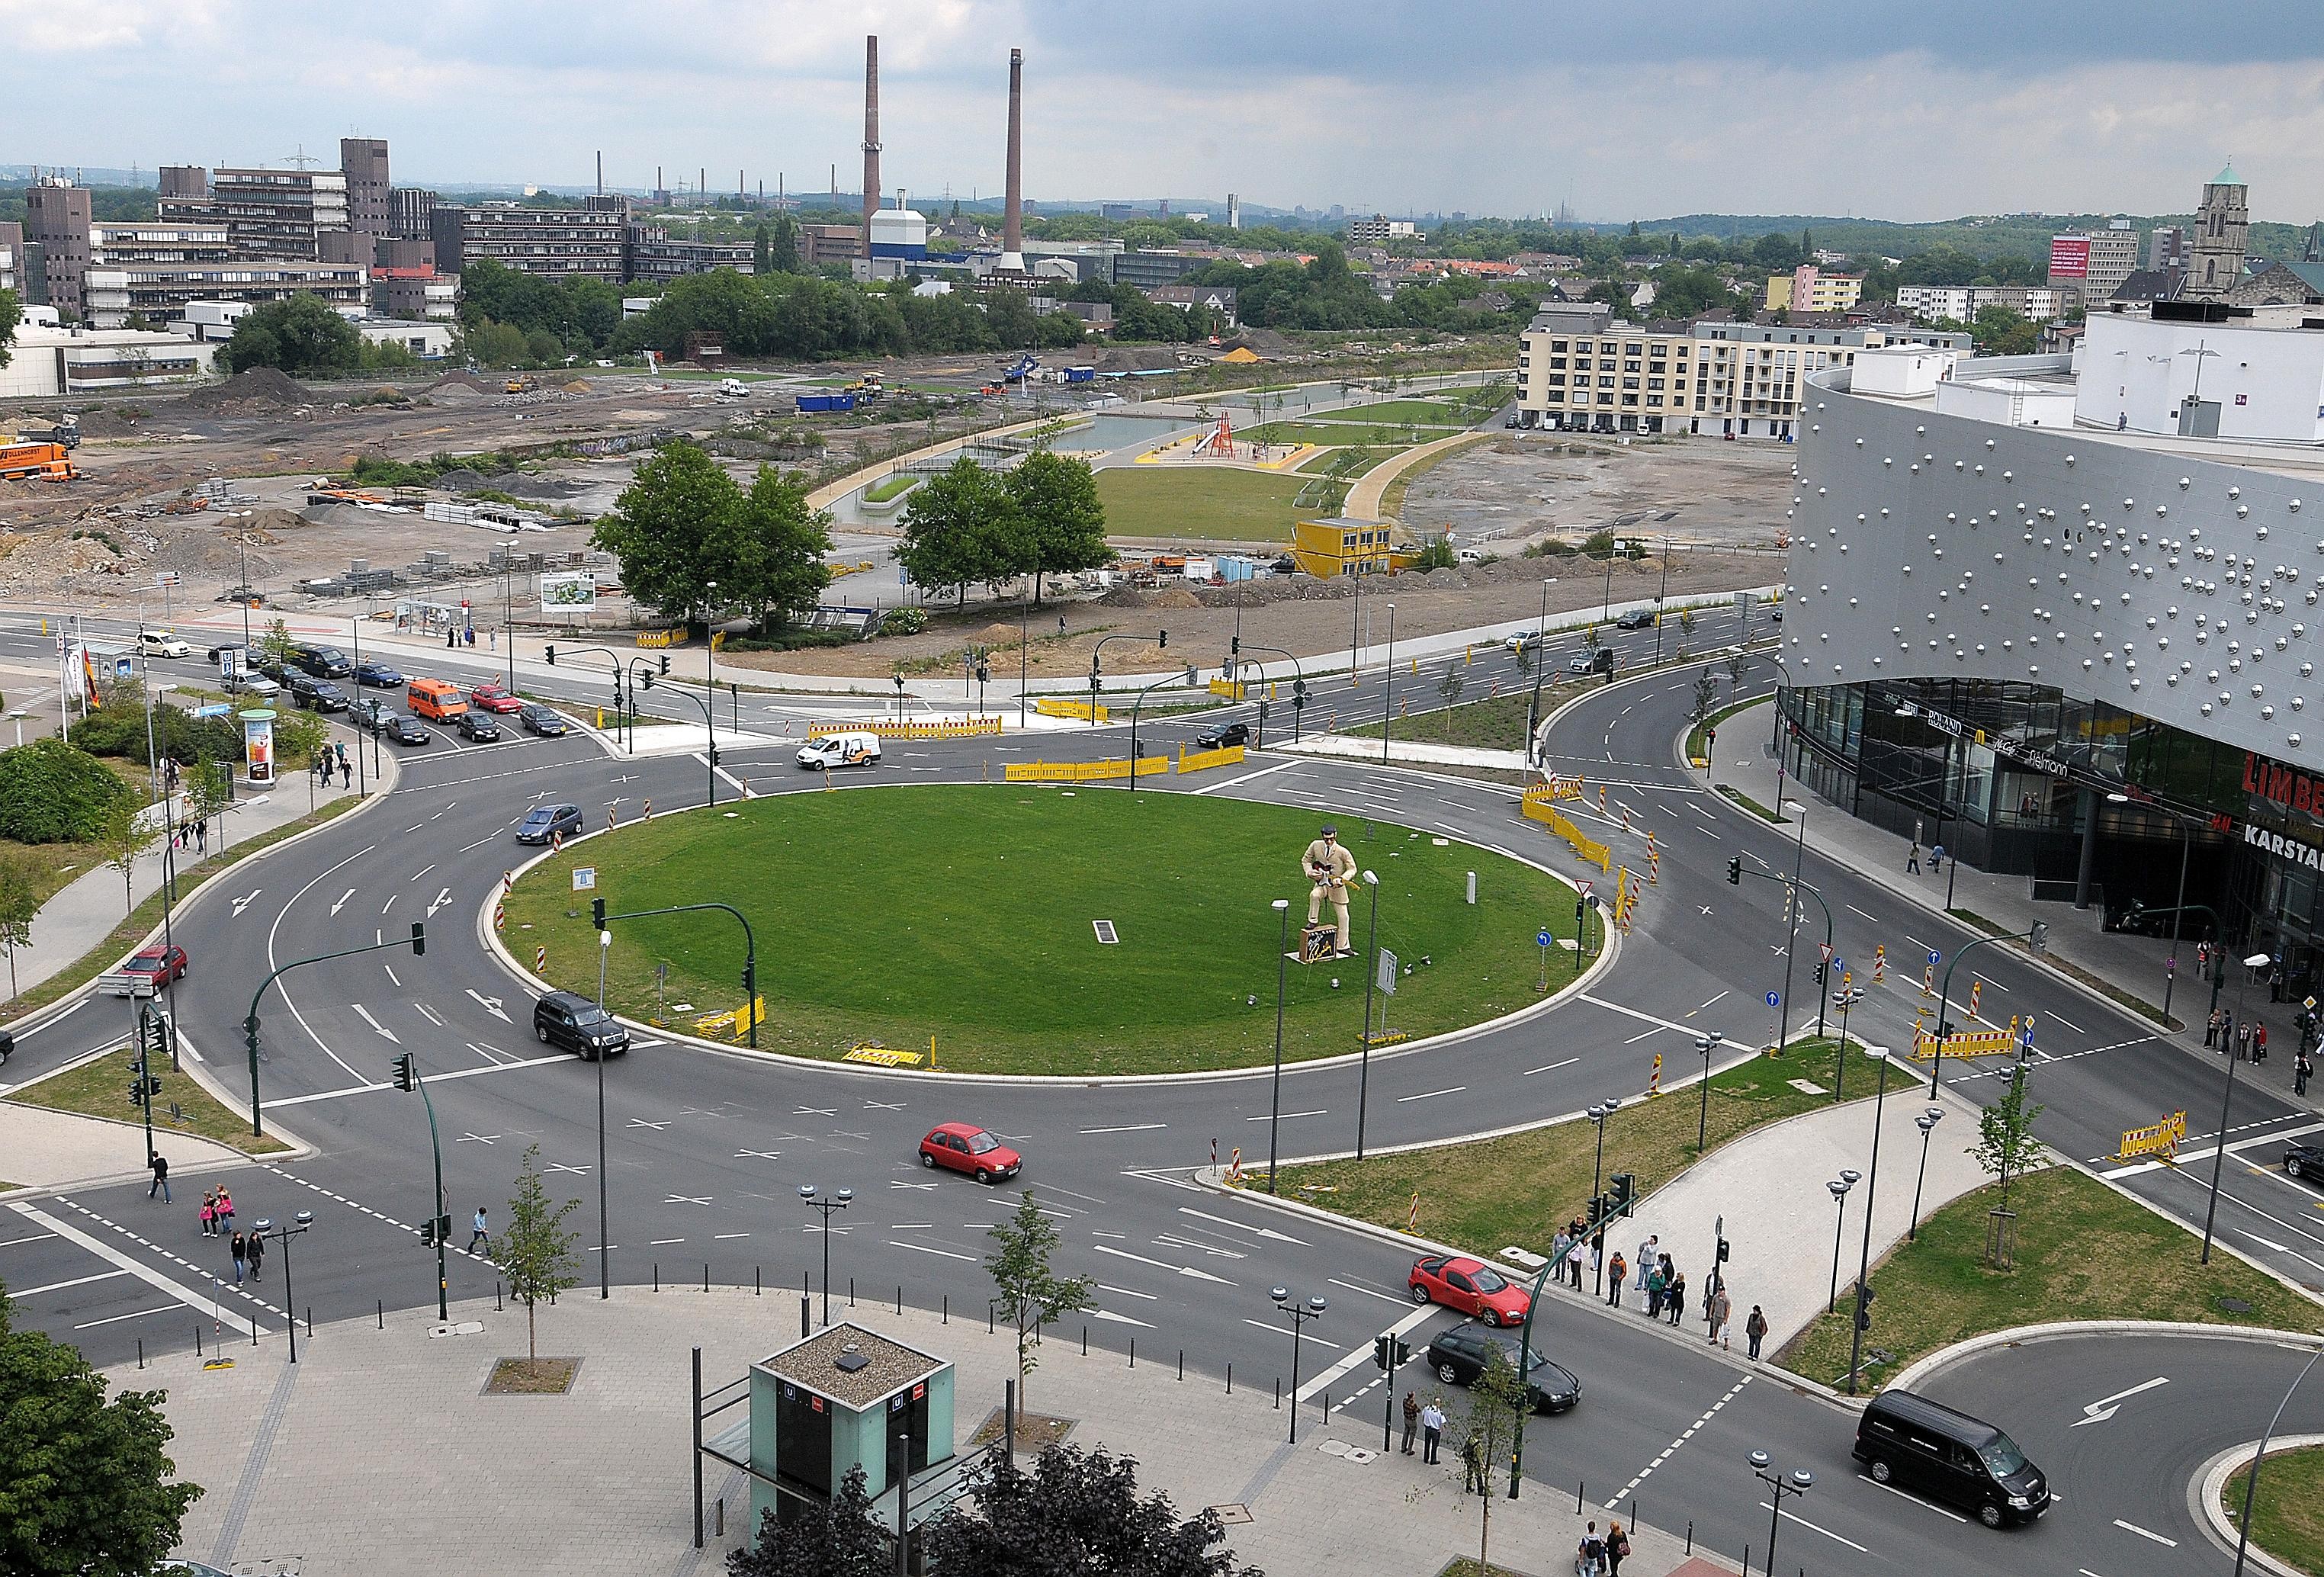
[2084,1252]
[1187,502]
[888,487]
[1497,723]
[2288,1514]
[1516,1190]
[1387,439]
[966,913]
[100,1088]
[1427,412]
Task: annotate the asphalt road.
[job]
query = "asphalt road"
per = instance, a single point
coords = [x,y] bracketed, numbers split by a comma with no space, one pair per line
[705,1151]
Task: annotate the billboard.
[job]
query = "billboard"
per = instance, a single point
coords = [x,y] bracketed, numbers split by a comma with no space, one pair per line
[2069,257]
[573,591]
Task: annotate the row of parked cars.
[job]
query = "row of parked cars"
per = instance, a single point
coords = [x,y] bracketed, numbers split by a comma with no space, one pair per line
[308,675]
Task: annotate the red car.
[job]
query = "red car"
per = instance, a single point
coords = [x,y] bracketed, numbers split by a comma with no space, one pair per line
[1470,1286]
[495,698]
[965,1147]
[147,972]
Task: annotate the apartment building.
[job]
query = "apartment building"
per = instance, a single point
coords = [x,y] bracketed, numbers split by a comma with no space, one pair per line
[267,213]
[56,223]
[1809,288]
[590,242]
[362,161]
[412,213]
[656,255]
[1379,229]
[12,258]
[1961,303]
[161,291]
[2094,262]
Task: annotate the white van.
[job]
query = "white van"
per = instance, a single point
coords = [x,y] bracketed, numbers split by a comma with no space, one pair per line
[840,750]
[734,388]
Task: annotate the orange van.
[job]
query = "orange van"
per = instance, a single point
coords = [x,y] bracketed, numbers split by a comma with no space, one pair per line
[438,700]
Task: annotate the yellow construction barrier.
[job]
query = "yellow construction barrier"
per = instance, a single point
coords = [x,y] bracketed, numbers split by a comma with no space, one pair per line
[736,1023]
[966,728]
[1980,1043]
[1537,806]
[1233,689]
[881,1056]
[1060,706]
[1203,760]
[2160,1139]
[1083,771]
[660,637]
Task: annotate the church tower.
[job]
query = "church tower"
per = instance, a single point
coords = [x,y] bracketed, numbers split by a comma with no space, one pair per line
[2216,262]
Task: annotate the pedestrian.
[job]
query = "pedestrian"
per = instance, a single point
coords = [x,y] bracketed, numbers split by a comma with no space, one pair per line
[1558,1245]
[1617,1548]
[1755,1328]
[2243,1041]
[1646,1252]
[241,1252]
[1616,1270]
[451,639]
[1936,858]
[1061,625]
[208,1214]
[1590,1559]
[482,1233]
[2276,982]
[1657,1283]
[202,835]
[1411,1419]
[2226,1031]
[1574,1261]
[2259,1043]
[2211,1030]
[344,774]
[494,636]
[224,1208]
[1596,1255]
[257,1253]
[1676,1299]
[1432,1430]
[160,1163]
[1913,860]
[1472,1466]
[2302,1070]
[1715,1310]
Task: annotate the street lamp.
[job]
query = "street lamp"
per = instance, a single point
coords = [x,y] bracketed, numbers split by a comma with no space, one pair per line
[1598,1116]
[1282,981]
[264,1228]
[1839,1186]
[1798,1482]
[1706,1043]
[838,1201]
[169,867]
[2227,1098]
[1372,972]
[1387,685]
[1879,1054]
[1299,1314]
[605,1238]
[1927,1123]
[1540,657]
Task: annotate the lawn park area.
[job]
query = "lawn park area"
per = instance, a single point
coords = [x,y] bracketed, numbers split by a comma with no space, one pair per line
[2288,1515]
[100,1088]
[1189,502]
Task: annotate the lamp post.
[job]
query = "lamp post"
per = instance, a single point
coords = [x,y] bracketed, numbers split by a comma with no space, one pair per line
[169,878]
[2227,1100]
[1282,981]
[1927,1123]
[407,1076]
[1387,685]
[1705,1044]
[264,1228]
[2251,1484]
[1799,1481]
[1839,1186]
[1660,597]
[1598,1116]
[1541,657]
[1024,645]
[1846,997]
[1138,706]
[1879,1054]
[1299,1314]
[1355,624]
[1371,973]
[605,1231]
[838,1201]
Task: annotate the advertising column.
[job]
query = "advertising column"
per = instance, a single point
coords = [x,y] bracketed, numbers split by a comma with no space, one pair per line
[258,745]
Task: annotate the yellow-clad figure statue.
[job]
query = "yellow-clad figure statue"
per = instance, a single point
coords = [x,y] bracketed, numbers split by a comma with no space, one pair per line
[1330,868]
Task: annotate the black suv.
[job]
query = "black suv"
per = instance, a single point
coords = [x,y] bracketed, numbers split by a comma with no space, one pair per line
[315,695]
[1458,1352]
[570,1021]
[1222,735]
[324,662]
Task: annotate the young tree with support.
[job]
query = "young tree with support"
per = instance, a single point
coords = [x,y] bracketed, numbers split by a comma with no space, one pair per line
[535,1252]
[122,838]
[1496,1399]
[1027,1292]
[19,905]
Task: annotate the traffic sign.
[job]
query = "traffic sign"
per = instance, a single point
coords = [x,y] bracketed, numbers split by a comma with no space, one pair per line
[1773,999]
[585,877]
[1541,940]
[1824,948]
[1936,958]
[1841,963]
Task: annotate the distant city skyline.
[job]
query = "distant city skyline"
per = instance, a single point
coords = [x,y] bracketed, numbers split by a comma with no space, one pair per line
[1872,108]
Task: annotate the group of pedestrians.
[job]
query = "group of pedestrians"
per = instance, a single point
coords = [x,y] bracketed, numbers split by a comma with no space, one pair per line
[328,760]
[192,834]
[1602,1554]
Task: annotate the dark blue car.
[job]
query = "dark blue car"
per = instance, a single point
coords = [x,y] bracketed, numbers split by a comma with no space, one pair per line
[378,676]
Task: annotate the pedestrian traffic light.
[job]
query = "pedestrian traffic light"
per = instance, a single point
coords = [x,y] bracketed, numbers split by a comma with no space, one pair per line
[136,1092]
[1624,1187]
[152,1034]
[406,1072]
[1735,871]
[1821,970]
[1403,1352]
[665,662]
[646,679]
[1710,740]
[1864,1295]
[983,673]
[1161,640]
[444,1229]
[428,1234]
[1384,1352]
[419,939]
[1724,1247]
[597,913]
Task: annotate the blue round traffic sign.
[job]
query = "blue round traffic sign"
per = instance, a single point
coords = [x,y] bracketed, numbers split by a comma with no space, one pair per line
[1936,958]
[1839,962]
[1773,999]
[1542,940]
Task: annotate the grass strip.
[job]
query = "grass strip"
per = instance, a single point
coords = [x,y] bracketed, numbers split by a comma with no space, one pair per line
[2288,1513]
[100,1088]
[1495,722]
[1492,1194]
[2084,1252]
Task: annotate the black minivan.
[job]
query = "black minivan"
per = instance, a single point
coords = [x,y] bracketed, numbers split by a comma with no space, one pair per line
[572,1021]
[1915,1443]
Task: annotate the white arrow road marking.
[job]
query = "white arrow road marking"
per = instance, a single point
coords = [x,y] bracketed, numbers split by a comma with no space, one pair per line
[349,893]
[2106,1408]
[1117,1319]
[1161,1265]
[365,1014]
[439,901]
[245,902]
[490,1004]
[1242,1227]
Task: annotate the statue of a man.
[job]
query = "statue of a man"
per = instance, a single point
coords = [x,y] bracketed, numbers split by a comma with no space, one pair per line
[1330,868]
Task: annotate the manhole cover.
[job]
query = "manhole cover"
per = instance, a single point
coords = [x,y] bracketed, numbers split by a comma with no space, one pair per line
[1357,1453]
[1233,1511]
[1333,1448]
[2234,1305]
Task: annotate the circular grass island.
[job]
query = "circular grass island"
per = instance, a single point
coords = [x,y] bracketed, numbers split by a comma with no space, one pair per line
[970,914]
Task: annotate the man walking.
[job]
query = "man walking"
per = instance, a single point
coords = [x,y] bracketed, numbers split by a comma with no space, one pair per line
[1472,1467]
[482,1233]
[1936,858]
[1913,860]
[1432,1430]
[160,1166]
[1411,1420]
[257,1246]
[2301,1071]
[1755,1328]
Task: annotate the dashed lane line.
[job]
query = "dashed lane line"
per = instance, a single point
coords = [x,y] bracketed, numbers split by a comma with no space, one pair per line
[1625,1492]
[200,1302]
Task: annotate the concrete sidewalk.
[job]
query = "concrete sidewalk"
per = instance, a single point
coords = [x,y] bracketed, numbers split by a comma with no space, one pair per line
[61,1150]
[380,1442]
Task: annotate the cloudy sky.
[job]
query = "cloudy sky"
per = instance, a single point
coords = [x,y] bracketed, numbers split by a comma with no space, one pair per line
[1877,108]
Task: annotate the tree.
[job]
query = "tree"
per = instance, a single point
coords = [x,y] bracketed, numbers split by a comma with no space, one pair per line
[763,250]
[1706,696]
[300,335]
[11,312]
[782,543]
[1026,1291]
[534,1250]
[123,839]
[1450,687]
[90,1489]
[209,790]
[2005,1134]
[782,250]
[1064,517]
[1075,1512]
[1436,553]
[1497,1398]
[299,740]
[841,1538]
[53,792]
[20,905]
[962,525]
[673,528]
[1735,666]
[275,642]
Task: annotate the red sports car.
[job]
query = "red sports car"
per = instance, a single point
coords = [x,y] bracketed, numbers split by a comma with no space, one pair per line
[965,1147]
[495,698]
[1470,1286]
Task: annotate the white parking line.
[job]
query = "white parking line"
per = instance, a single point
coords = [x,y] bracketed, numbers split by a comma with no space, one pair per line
[16,1292]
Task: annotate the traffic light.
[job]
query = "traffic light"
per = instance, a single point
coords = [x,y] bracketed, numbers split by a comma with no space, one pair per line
[419,939]
[1821,971]
[1735,871]
[1710,740]
[136,1092]
[406,1072]
[250,1038]
[1161,640]
[152,1034]
[665,662]
[597,913]
[427,1233]
[646,679]
[1724,1246]
[1384,1352]
[1623,1189]
[1864,1295]
[983,673]
[550,652]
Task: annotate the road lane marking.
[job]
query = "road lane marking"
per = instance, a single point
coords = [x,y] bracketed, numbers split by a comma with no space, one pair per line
[116,1319]
[1876,920]
[1367,1291]
[193,1300]
[1549,1067]
[1127,1128]
[18,1292]
[1851,1543]
[364,1014]
[2144,1533]
[498,1067]
[1625,1492]
[947,1253]
[1268,1232]
[1161,1264]
[1357,1355]
[1634,1039]
[1915,1499]
[1101,1286]
[1288,1116]
[1719,998]
[2069,1023]
[1245,778]
[1431,1094]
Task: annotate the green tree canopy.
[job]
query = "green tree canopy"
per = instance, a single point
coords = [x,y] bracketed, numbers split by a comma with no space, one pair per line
[1076,1512]
[961,525]
[843,1538]
[682,523]
[781,572]
[301,335]
[1064,516]
[11,312]
[52,792]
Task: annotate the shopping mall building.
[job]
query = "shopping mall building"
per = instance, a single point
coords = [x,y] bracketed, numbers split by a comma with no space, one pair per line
[2062,616]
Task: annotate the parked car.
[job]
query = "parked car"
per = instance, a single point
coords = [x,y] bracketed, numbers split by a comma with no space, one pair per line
[145,973]
[2305,1161]
[495,698]
[398,729]
[378,676]
[316,695]
[567,1019]
[478,726]
[963,1147]
[1220,736]
[1459,1353]
[215,652]
[1915,1443]
[1636,619]
[1467,1287]
[545,822]
[545,721]
[162,643]
[324,662]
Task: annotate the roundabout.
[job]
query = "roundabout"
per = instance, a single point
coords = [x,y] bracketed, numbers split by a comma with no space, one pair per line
[1038,931]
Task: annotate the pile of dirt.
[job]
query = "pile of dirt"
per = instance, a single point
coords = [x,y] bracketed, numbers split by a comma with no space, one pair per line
[108,422]
[1136,358]
[461,380]
[1168,597]
[259,390]
[577,386]
[1263,342]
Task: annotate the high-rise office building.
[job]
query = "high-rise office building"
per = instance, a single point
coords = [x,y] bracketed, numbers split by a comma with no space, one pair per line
[362,161]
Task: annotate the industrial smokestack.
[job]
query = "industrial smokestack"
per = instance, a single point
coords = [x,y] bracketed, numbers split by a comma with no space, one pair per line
[1012,225]
[871,134]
